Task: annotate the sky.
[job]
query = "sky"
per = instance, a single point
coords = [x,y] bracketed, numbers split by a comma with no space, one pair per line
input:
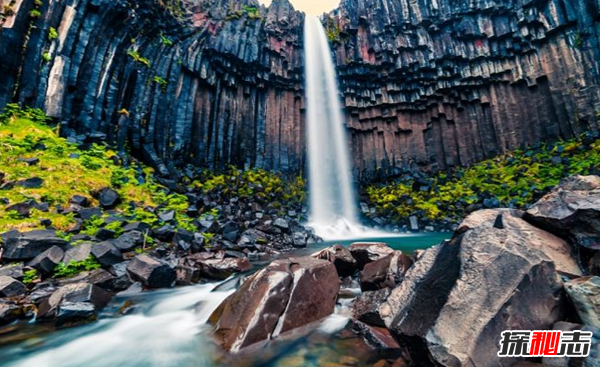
[314,7]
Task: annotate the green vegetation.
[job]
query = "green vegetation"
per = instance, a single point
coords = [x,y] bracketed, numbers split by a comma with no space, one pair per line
[513,180]
[46,56]
[35,14]
[52,34]
[135,55]
[579,40]
[166,41]
[161,82]
[332,30]
[262,186]
[66,171]
[174,7]
[73,268]
[30,276]
[251,11]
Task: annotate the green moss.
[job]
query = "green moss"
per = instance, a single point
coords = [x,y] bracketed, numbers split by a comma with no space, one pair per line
[332,30]
[166,41]
[252,12]
[52,34]
[514,180]
[30,276]
[161,82]
[35,14]
[73,268]
[579,41]
[135,55]
[46,56]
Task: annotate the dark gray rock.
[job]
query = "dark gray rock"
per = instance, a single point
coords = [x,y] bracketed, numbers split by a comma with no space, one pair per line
[129,240]
[107,254]
[151,272]
[26,246]
[341,257]
[366,307]
[47,260]
[70,294]
[78,253]
[10,287]
[108,198]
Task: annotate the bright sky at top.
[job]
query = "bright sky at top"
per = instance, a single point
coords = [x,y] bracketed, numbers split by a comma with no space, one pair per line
[314,7]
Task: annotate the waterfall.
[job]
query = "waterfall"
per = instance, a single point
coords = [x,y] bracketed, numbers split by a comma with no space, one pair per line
[332,197]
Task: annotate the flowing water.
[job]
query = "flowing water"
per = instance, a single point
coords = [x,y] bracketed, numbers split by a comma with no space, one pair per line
[168,328]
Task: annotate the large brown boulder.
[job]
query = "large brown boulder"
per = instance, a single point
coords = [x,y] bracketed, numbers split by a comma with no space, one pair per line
[571,210]
[366,252]
[283,296]
[459,296]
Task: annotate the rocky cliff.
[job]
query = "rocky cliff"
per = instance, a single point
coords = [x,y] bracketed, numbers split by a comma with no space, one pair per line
[426,83]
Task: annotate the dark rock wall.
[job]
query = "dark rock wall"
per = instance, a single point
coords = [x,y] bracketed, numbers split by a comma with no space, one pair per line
[430,83]
[447,82]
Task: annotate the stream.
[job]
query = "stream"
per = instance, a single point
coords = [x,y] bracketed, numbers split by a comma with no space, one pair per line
[169,328]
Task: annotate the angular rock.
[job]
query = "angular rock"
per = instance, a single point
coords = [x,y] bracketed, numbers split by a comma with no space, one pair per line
[107,254]
[366,307]
[48,260]
[221,269]
[584,292]
[69,294]
[14,270]
[79,200]
[571,210]
[366,252]
[591,361]
[10,287]
[386,272]
[151,272]
[341,257]
[285,295]
[486,279]
[26,246]
[108,198]
[554,247]
[129,240]
[78,253]
[377,337]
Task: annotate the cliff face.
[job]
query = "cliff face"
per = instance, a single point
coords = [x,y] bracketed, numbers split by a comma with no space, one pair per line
[205,82]
[446,82]
[430,83]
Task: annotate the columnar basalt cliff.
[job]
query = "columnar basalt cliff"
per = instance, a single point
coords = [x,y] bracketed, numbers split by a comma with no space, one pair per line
[445,82]
[203,82]
[211,83]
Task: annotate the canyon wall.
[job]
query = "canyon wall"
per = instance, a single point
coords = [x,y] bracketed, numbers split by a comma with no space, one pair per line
[426,83]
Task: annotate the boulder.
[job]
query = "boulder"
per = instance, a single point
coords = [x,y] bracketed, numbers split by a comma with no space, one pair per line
[129,240]
[386,272]
[511,220]
[78,253]
[252,237]
[151,272]
[47,260]
[231,231]
[67,301]
[108,198]
[26,246]
[14,270]
[584,293]
[571,210]
[341,257]
[366,252]
[223,268]
[459,296]
[10,287]
[10,312]
[79,200]
[285,295]
[107,254]
[366,306]
[377,337]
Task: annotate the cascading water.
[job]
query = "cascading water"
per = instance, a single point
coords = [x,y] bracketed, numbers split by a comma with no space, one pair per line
[332,197]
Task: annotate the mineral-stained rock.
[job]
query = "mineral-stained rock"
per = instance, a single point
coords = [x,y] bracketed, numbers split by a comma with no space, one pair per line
[571,210]
[554,247]
[366,252]
[459,296]
[285,295]
[366,306]
[10,287]
[378,337]
[341,257]
[585,294]
[386,272]
[26,246]
[153,273]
